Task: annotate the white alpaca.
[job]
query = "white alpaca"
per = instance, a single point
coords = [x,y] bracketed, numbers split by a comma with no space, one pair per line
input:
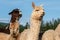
[48,35]
[23,35]
[52,34]
[35,22]
[58,29]
[4,36]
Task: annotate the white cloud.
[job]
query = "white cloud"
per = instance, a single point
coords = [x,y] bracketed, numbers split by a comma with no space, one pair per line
[4,19]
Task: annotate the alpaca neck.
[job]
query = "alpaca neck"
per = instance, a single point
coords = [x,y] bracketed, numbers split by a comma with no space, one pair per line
[14,25]
[35,26]
[34,30]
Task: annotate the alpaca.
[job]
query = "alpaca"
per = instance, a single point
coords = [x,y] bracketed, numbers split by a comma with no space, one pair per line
[58,29]
[48,35]
[14,24]
[52,34]
[58,32]
[35,22]
[23,35]
[4,36]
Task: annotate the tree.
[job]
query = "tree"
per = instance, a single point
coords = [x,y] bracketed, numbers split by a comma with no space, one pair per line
[27,25]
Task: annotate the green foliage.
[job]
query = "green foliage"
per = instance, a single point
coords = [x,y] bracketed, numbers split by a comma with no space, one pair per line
[49,25]
[24,27]
[3,25]
[27,25]
[21,28]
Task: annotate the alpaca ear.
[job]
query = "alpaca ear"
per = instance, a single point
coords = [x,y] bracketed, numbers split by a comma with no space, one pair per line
[10,13]
[33,5]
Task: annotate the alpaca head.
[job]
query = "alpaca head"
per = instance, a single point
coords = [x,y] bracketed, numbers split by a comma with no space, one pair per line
[15,15]
[38,12]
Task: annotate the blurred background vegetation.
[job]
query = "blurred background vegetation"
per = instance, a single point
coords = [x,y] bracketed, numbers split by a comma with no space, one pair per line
[44,25]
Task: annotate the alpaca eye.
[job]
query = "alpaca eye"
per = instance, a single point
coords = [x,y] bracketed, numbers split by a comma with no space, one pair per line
[36,10]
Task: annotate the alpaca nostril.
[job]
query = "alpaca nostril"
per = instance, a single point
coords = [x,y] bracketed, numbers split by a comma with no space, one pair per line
[20,15]
[43,13]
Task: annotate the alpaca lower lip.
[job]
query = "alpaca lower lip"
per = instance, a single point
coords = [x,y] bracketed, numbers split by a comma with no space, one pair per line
[41,16]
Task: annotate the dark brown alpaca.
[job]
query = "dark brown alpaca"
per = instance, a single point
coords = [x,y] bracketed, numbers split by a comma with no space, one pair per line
[14,24]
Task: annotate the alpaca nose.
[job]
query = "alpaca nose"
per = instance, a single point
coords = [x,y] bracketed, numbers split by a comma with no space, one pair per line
[20,15]
[13,33]
[43,13]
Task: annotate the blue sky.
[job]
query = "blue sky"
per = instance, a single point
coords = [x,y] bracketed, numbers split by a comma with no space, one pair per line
[52,9]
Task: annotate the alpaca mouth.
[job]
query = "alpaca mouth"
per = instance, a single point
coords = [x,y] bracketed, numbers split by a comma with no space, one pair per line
[14,35]
[20,15]
[41,17]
